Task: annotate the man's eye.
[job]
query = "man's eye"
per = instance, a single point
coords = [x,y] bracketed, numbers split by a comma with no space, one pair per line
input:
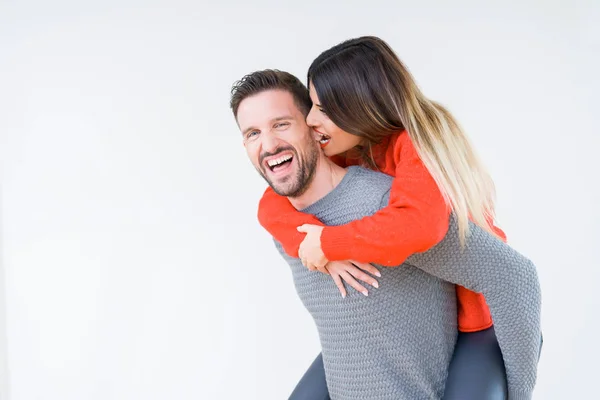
[281,124]
[251,134]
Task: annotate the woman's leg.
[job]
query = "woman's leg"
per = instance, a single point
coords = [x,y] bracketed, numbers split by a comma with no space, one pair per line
[476,371]
[312,386]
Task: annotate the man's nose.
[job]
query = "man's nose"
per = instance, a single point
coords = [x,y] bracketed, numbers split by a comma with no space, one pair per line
[269,142]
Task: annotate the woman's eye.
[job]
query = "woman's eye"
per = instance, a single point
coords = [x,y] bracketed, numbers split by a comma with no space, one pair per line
[323,111]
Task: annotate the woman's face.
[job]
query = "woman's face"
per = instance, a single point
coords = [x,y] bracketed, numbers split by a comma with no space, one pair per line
[332,138]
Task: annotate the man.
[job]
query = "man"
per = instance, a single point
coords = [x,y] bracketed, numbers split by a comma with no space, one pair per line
[396,343]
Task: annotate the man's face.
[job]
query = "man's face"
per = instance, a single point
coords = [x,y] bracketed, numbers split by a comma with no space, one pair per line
[278,142]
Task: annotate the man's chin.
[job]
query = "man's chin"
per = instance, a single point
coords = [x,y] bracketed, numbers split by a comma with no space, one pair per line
[284,185]
[282,189]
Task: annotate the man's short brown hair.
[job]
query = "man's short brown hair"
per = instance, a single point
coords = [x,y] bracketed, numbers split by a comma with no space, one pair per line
[270,79]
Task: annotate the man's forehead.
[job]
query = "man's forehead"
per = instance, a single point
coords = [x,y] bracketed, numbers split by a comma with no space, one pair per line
[266,106]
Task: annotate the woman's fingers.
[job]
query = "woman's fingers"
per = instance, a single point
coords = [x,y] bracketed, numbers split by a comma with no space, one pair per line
[340,285]
[370,268]
[353,283]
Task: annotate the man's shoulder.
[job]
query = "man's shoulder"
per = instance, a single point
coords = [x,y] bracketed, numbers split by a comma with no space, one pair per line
[360,193]
[371,178]
[373,187]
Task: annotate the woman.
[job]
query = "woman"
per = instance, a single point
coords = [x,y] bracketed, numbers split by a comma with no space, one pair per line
[368,110]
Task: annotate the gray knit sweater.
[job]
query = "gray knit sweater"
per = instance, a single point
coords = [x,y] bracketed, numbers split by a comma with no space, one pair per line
[397,342]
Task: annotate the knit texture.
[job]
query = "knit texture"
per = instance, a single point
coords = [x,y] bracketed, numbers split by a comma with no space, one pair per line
[397,342]
[414,220]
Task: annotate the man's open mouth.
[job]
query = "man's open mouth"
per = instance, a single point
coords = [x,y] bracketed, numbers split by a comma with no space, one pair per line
[278,163]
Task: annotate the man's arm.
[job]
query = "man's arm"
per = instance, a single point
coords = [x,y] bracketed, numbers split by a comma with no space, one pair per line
[511,288]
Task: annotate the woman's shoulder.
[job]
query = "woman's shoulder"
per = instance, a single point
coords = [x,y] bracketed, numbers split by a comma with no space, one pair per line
[401,138]
[395,140]
[389,151]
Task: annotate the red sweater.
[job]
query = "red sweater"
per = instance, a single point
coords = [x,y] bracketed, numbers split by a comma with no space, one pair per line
[415,220]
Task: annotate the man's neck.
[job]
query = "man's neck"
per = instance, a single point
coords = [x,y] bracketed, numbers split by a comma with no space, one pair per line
[327,176]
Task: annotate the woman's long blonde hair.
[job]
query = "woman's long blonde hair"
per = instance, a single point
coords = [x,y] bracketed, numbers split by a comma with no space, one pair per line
[367,91]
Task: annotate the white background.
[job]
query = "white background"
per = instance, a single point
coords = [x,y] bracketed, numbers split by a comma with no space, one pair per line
[134,267]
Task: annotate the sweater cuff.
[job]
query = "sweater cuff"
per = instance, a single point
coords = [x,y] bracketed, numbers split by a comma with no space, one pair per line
[515,394]
[336,244]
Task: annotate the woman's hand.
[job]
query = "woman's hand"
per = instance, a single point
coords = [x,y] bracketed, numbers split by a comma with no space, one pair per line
[310,251]
[350,271]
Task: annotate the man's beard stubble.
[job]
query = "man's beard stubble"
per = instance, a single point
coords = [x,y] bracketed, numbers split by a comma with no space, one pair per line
[307,166]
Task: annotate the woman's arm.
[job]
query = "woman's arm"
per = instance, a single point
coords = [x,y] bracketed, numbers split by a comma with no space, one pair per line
[415,219]
[511,288]
[279,217]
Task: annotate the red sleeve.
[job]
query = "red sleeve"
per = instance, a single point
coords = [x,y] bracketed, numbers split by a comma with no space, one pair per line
[415,219]
[279,217]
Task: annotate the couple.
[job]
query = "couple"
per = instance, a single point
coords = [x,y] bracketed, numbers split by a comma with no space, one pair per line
[425,331]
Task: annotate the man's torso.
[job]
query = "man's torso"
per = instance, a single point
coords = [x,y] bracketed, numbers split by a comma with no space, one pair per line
[397,342]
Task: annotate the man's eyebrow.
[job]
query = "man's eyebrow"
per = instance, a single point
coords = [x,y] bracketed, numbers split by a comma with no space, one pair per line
[282,118]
